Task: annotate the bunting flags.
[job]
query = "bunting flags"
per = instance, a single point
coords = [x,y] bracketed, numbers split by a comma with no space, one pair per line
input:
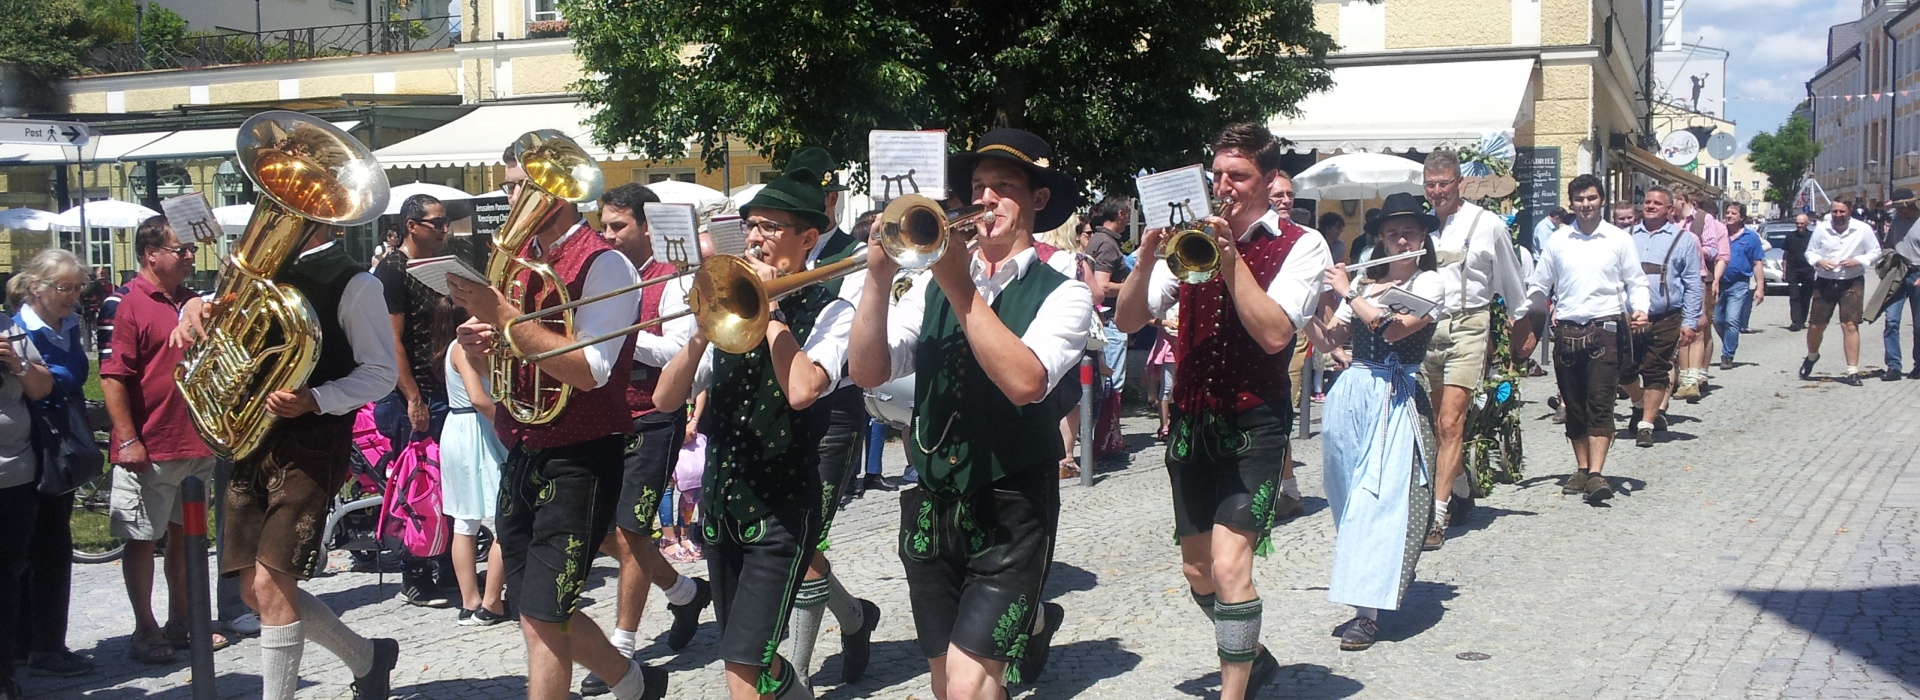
[1875,96]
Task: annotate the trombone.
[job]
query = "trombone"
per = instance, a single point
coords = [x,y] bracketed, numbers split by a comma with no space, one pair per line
[1191,252]
[729,300]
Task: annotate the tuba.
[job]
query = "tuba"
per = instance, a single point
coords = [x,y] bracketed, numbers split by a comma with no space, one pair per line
[559,174]
[263,336]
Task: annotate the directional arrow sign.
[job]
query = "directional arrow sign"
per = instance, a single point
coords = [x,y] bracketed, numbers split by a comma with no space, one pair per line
[39,132]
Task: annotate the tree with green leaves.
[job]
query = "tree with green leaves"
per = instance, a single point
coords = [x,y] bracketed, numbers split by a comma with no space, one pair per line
[1784,157]
[47,39]
[1116,85]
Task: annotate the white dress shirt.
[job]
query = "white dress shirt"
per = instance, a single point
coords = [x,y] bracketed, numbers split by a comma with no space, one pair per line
[1490,267]
[1296,288]
[363,316]
[1590,276]
[606,273]
[656,350]
[1855,243]
[1057,336]
[1422,284]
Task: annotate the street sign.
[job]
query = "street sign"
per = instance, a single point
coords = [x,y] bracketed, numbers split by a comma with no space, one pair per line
[43,133]
[1721,145]
[1680,148]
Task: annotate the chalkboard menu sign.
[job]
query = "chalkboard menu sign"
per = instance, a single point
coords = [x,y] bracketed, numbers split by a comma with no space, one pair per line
[488,214]
[1537,169]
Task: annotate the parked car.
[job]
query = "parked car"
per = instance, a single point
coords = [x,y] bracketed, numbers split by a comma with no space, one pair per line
[1775,235]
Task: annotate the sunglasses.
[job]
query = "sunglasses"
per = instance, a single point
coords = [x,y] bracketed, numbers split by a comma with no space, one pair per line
[435,222]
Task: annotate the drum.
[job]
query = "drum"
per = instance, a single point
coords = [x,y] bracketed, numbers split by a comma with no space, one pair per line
[892,403]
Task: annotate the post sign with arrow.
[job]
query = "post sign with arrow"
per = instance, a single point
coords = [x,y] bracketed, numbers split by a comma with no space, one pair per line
[49,133]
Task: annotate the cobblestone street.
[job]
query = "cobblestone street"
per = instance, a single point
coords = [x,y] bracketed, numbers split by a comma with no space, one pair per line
[1765,548]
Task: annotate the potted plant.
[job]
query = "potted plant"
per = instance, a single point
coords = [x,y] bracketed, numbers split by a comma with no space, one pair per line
[547,28]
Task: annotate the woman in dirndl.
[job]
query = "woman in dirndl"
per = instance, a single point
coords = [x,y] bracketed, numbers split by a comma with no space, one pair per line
[1377,424]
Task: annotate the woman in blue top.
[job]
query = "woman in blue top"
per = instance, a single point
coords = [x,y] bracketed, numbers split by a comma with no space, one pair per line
[48,290]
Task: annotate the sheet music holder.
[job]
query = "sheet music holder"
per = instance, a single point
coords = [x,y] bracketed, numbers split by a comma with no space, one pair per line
[907,162]
[675,232]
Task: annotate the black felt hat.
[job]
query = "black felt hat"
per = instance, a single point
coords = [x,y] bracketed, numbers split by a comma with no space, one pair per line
[1030,152]
[798,191]
[819,162]
[1399,205]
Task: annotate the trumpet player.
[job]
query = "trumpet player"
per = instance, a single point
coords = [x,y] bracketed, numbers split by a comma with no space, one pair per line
[654,445]
[278,496]
[762,504]
[989,335]
[1232,416]
[562,478]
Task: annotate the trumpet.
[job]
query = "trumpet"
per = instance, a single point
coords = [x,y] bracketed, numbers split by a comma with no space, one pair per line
[1191,252]
[914,229]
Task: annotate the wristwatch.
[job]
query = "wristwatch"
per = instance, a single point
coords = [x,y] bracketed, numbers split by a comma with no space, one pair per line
[779,315]
[1353,293]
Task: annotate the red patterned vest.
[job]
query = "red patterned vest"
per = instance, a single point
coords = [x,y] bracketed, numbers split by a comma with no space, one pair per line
[644,377]
[1219,368]
[589,414]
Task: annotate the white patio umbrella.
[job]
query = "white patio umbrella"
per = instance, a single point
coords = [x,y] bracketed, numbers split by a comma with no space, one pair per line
[701,197]
[399,194]
[744,194]
[105,213]
[233,218]
[1359,176]
[26,219]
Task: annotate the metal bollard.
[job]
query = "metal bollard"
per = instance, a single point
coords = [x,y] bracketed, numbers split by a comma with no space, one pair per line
[1086,420]
[1307,377]
[193,510]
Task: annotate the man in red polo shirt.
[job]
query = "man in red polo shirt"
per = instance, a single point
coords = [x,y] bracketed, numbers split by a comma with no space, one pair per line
[154,443]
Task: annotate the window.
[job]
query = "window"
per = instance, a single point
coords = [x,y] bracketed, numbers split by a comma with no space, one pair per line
[663,175]
[543,10]
[1756,184]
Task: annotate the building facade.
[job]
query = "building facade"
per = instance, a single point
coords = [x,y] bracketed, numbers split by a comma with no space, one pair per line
[1867,129]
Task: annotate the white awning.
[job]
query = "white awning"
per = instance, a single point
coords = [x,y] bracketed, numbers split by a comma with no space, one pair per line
[106,149]
[1406,107]
[479,137]
[198,143]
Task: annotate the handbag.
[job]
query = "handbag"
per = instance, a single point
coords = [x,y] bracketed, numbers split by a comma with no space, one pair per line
[63,445]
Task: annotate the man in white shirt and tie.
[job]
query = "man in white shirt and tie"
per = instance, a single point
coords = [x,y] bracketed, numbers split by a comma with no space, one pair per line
[1591,273]
[1842,250]
[1477,263]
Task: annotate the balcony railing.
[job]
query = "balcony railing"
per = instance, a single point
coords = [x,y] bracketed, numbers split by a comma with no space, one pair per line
[229,48]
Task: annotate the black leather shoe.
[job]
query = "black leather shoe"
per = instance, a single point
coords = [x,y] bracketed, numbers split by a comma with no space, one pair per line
[1265,669]
[876,482]
[857,648]
[656,679]
[1806,367]
[376,685]
[1040,645]
[1850,379]
[1892,375]
[686,618]
[592,686]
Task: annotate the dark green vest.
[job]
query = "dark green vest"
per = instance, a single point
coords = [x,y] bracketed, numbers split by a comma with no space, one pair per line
[762,455]
[322,277]
[966,433]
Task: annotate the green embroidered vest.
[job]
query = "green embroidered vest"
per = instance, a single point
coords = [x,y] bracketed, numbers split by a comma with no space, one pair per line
[761,454]
[966,433]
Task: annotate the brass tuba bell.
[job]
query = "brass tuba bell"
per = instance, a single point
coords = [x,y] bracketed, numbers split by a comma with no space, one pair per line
[559,174]
[263,336]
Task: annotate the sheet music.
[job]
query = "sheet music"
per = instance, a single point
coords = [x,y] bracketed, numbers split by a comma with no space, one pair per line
[907,162]
[192,220]
[433,272]
[729,235]
[1162,193]
[675,232]
[1407,302]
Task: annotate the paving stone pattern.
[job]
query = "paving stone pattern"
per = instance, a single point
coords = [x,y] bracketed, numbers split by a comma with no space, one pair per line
[1764,549]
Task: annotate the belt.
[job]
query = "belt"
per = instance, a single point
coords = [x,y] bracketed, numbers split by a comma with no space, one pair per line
[1662,316]
[1598,322]
[1467,312]
[461,411]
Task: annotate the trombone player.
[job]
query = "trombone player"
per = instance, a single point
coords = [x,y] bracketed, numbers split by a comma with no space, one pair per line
[989,334]
[562,477]
[1232,413]
[762,504]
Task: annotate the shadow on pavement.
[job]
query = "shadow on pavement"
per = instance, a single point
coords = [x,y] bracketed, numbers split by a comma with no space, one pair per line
[1100,659]
[892,663]
[1420,610]
[230,685]
[1871,624]
[470,687]
[1064,578]
[1296,681]
[1480,518]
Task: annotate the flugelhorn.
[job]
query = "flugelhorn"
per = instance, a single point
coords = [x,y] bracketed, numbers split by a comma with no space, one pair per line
[1191,251]
[559,174]
[264,336]
[913,229]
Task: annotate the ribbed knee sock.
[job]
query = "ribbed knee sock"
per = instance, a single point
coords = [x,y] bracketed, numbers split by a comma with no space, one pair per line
[681,592]
[280,651]
[845,607]
[1236,629]
[624,641]
[809,607]
[325,629]
[630,685]
[791,685]
[1206,601]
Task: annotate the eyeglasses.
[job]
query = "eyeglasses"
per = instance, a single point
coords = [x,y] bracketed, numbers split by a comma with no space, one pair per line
[1441,184]
[768,227]
[183,250]
[511,187]
[64,288]
[436,222]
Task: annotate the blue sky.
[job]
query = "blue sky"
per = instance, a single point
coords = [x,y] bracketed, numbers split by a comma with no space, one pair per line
[1776,46]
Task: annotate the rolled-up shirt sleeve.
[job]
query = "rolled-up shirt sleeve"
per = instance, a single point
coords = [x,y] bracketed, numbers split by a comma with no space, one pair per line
[903,322]
[1163,289]
[1058,334]
[363,317]
[658,350]
[826,346]
[1297,286]
[608,271]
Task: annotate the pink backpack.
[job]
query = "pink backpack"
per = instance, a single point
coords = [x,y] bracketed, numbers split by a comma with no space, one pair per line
[411,509]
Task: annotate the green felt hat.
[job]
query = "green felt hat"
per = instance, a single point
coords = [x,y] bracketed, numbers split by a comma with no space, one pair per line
[797,191]
[817,161]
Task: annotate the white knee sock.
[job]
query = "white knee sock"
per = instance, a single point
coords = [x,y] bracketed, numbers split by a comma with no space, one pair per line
[681,592]
[845,607]
[630,686]
[809,606]
[624,641]
[280,651]
[325,629]
[1290,487]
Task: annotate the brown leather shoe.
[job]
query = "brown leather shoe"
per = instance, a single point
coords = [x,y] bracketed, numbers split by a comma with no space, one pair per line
[1287,507]
[1576,483]
[1598,489]
[1435,537]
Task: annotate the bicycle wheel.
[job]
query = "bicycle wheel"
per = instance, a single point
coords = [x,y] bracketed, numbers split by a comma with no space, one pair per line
[93,540]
